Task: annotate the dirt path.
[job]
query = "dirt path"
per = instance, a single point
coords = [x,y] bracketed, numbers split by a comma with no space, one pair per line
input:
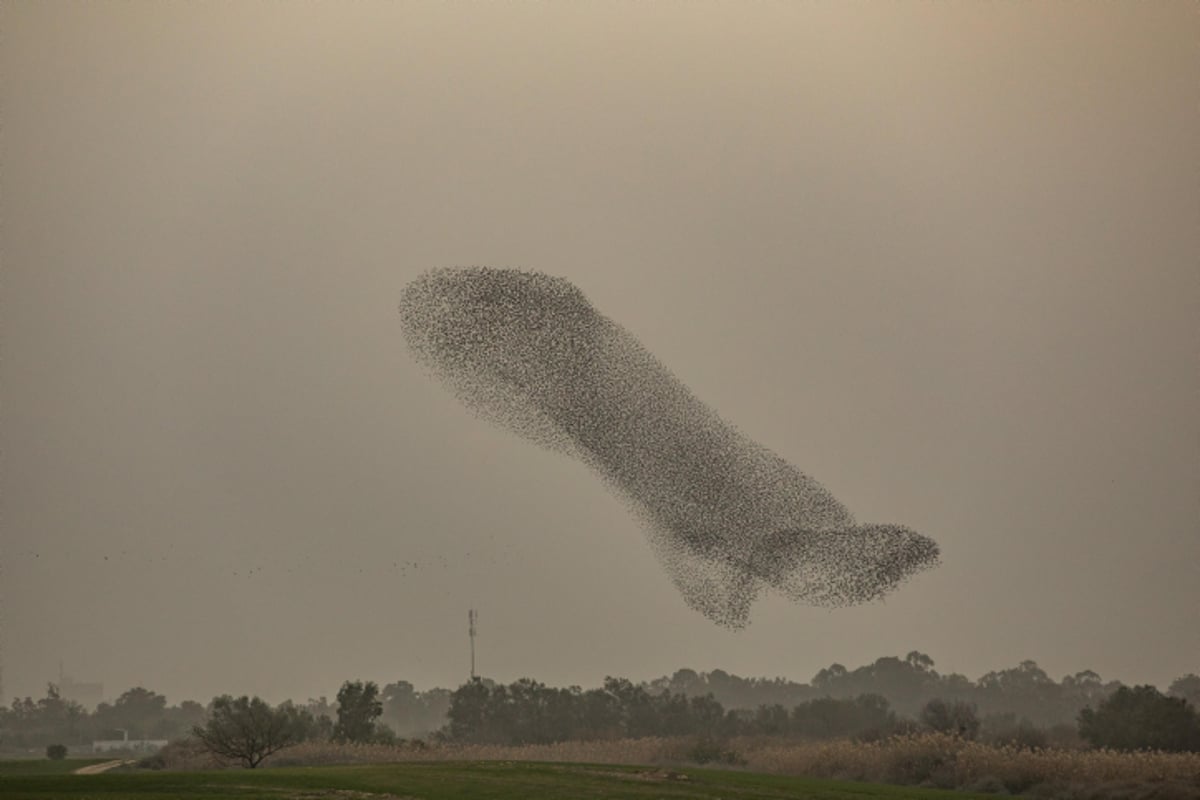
[95,769]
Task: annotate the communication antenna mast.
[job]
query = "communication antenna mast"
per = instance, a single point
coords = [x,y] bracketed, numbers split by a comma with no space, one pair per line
[472,615]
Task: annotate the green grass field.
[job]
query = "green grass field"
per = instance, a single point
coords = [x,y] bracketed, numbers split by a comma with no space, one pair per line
[488,780]
[43,766]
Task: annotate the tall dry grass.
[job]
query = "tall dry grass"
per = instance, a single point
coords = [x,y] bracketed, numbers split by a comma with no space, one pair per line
[611,751]
[927,759]
[945,761]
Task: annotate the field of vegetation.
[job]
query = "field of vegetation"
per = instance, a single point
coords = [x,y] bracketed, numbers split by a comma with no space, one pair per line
[925,760]
[15,767]
[1005,735]
[922,765]
[451,781]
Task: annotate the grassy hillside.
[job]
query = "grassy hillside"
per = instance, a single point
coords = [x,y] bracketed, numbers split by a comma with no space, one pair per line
[451,781]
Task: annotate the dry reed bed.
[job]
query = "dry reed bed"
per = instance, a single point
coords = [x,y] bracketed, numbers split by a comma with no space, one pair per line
[614,751]
[950,762]
[927,759]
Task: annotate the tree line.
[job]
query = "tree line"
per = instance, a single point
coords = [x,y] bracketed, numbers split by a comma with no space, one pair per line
[891,695]
[140,713]
[527,712]
[1025,691]
[136,714]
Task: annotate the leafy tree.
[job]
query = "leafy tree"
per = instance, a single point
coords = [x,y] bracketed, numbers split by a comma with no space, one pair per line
[828,679]
[1006,729]
[138,711]
[599,715]
[686,681]
[829,717]
[141,703]
[1085,685]
[468,711]
[413,713]
[322,712]
[56,752]
[50,720]
[178,720]
[249,730]
[957,718]
[359,707]
[919,661]
[1141,718]
[733,691]
[1025,690]
[436,705]
[906,683]
[529,712]
[481,711]
[1187,687]
[402,706]
[637,712]
[771,721]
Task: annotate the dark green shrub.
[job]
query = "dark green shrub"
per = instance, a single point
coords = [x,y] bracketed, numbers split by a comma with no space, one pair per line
[988,784]
[1007,730]
[1141,718]
[957,718]
[922,769]
[706,750]
[829,718]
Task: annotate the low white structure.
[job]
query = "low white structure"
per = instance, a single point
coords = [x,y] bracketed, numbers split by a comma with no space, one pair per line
[127,744]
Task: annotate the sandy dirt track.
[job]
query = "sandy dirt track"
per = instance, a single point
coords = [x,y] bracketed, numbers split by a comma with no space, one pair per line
[94,769]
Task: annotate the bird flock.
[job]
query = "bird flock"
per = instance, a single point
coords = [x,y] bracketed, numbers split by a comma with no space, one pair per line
[726,516]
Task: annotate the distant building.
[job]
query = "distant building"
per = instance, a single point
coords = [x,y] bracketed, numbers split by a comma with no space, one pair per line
[128,745]
[134,745]
[88,695]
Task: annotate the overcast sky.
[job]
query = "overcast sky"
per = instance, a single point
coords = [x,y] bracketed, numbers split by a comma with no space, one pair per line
[943,257]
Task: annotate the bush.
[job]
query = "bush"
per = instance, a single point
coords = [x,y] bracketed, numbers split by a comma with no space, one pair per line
[1064,737]
[957,718]
[1005,730]
[184,754]
[56,752]
[924,768]
[706,750]
[827,718]
[988,784]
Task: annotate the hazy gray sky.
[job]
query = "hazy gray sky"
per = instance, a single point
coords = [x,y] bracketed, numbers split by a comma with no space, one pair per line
[941,256]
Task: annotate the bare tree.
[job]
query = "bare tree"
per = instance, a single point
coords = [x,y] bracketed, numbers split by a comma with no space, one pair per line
[249,730]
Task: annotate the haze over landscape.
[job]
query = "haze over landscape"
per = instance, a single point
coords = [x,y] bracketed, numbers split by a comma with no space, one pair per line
[941,256]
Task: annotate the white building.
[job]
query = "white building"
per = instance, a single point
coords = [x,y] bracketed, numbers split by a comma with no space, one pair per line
[128,745]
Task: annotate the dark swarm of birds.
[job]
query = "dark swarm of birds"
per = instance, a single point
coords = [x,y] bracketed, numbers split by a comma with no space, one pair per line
[726,516]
